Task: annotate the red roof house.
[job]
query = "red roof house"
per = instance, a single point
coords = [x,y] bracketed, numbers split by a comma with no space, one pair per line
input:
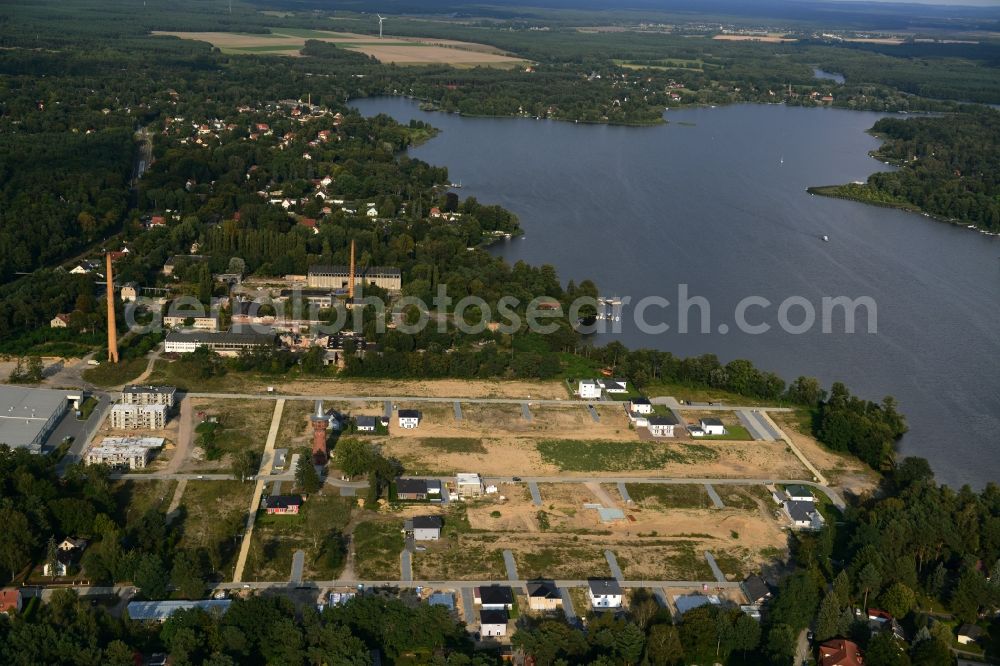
[840,652]
[10,600]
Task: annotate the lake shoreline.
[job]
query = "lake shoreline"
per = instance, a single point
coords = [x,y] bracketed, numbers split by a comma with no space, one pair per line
[844,192]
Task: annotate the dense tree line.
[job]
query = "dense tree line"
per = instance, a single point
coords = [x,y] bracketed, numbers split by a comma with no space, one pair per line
[948,165]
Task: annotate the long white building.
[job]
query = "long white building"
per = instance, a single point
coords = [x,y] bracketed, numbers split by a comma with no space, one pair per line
[138,417]
[149,395]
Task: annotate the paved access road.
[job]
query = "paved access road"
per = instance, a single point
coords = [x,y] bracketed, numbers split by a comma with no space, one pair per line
[459,584]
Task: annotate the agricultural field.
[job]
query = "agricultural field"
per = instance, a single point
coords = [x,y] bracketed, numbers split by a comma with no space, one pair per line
[396,50]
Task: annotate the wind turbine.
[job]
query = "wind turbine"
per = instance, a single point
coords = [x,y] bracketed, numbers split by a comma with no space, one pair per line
[380,19]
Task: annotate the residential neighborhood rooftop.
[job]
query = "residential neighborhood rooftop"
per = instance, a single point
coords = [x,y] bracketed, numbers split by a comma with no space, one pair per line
[604,586]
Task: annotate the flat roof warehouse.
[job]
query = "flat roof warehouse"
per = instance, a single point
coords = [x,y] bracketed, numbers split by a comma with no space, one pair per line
[28,415]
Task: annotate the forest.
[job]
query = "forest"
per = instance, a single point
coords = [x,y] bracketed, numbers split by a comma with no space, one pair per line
[947,168]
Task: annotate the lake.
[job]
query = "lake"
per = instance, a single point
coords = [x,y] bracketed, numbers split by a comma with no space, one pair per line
[717,200]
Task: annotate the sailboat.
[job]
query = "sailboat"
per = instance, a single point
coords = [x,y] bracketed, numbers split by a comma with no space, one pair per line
[782,160]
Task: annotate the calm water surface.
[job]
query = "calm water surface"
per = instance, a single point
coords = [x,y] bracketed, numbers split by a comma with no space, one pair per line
[716,200]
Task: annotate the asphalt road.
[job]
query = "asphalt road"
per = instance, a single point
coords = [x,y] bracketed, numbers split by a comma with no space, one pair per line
[80,431]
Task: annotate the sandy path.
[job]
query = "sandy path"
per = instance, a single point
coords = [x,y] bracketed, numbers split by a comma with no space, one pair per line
[185,433]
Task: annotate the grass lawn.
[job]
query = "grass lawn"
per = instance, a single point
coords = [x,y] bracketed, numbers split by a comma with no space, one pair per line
[565,560]
[135,498]
[734,497]
[316,531]
[214,517]
[591,456]
[377,545]
[734,433]
[87,408]
[294,429]
[243,425]
[115,374]
[670,496]
[577,367]
[173,374]
[702,394]
[454,444]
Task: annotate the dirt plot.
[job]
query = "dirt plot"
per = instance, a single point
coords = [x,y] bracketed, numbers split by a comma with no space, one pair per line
[243,426]
[654,541]
[844,470]
[437,388]
[521,456]
[399,50]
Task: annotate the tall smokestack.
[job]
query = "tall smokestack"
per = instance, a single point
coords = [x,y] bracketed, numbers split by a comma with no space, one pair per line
[112,329]
[350,278]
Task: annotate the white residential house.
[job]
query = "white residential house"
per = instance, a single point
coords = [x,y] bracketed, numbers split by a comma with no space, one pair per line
[372,212]
[614,385]
[589,389]
[493,597]
[60,321]
[804,515]
[493,623]
[129,292]
[661,426]
[424,528]
[365,423]
[409,418]
[67,553]
[640,406]
[604,593]
[712,426]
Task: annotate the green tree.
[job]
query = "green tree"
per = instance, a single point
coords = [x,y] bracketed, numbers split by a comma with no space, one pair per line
[151,578]
[306,478]
[51,553]
[18,539]
[782,642]
[188,575]
[869,582]
[884,650]
[354,457]
[663,646]
[898,600]
[245,464]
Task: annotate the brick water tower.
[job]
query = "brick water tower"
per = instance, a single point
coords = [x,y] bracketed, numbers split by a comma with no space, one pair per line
[320,422]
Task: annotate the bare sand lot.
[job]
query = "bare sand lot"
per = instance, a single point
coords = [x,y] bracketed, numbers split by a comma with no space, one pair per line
[398,50]
[563,539]
[438,388]
[495,440]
